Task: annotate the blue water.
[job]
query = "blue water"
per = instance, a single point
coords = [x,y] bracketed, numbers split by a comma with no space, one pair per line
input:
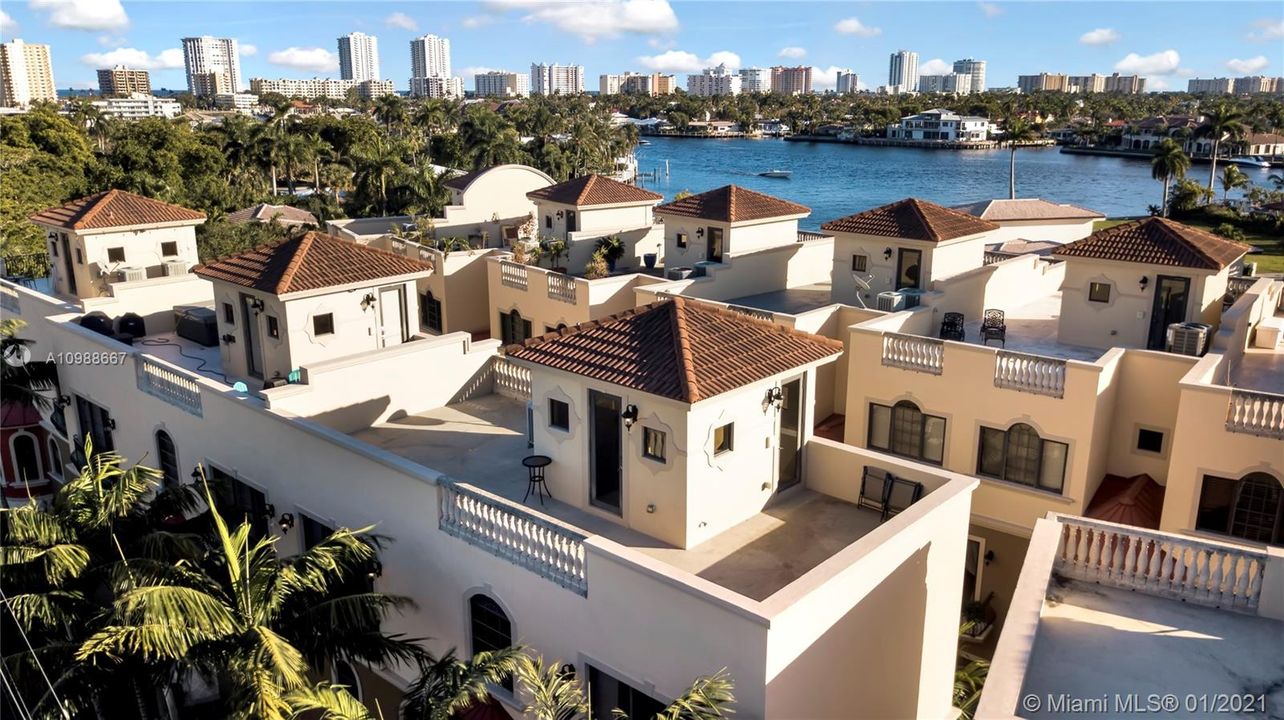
[836,180]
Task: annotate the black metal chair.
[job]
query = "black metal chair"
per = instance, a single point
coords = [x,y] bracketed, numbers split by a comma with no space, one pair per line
[874,486]
[993,327]
[900,495]
[952,326]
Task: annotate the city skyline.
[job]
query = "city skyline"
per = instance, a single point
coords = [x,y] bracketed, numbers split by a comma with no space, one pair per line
[611,37]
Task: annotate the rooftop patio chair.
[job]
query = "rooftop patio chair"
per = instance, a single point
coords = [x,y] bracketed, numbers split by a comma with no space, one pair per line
[874,487]
[900,496]
[952,326]
[994,328]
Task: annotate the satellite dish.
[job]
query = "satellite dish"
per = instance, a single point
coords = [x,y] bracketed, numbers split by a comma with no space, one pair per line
[863,285]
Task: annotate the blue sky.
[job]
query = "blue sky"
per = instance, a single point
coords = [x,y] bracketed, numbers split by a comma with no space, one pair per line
[1164,41]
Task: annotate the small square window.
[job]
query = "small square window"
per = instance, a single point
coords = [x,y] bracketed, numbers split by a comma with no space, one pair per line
[859,263]
[723,438]
[653,444]
[229,314]
[274,329]
[559,415]
[116,254]
[1150,440]
[80,259]
[169,249]
[548,221]
[323,324]
[1099,292]
[682,239]
[53,247]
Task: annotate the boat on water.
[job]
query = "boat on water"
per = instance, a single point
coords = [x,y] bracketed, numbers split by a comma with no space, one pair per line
[1250,161]
[783,174]
[644,142]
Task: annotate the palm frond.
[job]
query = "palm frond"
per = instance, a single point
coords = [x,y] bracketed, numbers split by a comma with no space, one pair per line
[275,652]
[327,702]
[46,610]
[449,685]
[322,566]
[161,622]
[553,694]
[708,697]
[58,563]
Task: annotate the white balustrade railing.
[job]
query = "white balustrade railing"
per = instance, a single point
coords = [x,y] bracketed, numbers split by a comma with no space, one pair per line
[1171,566]
[1256,413]
[561,287]
[514,275]
[169,384]
[1030,373]
[511,380]
[912,352]
[9,300]
[508,531]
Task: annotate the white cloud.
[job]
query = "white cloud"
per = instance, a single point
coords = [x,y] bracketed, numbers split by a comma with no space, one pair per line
[135,58]
[793,52]
[248,49]
[990,9]
[1160,63]
[935,66]
[469,73]
[1100,36]
[1154,84]
[1249,66]
[477,21]
[83,14]
[853,26]
[593,20]
[7,25]
[313,59]
[827,78]
[681,61]
[401,20]
[1267,29]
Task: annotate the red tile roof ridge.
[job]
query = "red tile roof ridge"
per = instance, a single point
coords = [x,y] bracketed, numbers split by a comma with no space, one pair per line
[690,386]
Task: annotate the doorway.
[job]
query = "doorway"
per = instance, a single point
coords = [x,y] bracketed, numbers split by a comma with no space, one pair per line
[66,259]
[908,266]
[789,438]
[605,451]
[716,245]
[251,337]
[1171,296]
[392,316]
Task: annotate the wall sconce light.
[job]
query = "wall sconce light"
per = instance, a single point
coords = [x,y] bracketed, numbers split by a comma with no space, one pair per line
[368,301]
[699,232]
[286,522]
[1145,281]
[62,402]
[630,416]
[887,253]
[775,398]
[989,556]
[229,338]
[111,423]
[256,304]
[559,214]
[376,570]
[196,473]
[269,510]
[567,671]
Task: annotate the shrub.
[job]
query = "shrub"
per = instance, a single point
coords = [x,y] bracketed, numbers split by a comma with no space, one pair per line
[1229,231]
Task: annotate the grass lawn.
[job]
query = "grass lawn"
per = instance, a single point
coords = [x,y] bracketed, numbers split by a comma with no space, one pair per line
[1269,260]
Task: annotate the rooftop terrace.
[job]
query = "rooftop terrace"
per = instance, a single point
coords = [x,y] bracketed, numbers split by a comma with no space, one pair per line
[790,301]
[1032,328]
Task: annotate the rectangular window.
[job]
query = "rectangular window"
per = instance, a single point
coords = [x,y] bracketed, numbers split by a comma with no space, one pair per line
[682,240]
[513,328]
[169,249]
[905,430]
[116,254]
[1216,499]
[559,415]
[653,443]
[53,247]
[323,324]
[1150,440]
[1099,292]
[274,330]
[548,222]
[431,308]
[859,263]
[724,438]
[1019,455]
[229,314]
[80,258]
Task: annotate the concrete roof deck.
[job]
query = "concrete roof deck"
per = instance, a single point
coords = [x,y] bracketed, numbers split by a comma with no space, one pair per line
[1098,642]
[1261,369]
[790,301]
[191,356]
[482,442]
[1032,328]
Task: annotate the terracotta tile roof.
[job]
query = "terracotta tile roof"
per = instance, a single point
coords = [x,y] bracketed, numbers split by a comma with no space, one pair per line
[732,204]
[114,208]
[912,219]
[1264,139]
[311,262]
[591,190]
[1026,209]
[263,212]
[1137,501]
[461,182]
[1157,241]
[678,349]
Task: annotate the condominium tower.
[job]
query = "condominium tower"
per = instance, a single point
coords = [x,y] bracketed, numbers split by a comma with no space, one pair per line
[848,82]
[557,79]
[975,70]
[122,81]
[429,57]
[500,83]
[26,74]
[902,70]
[213,65]
[359,57]
[755,80]
[714,81]
[791,80]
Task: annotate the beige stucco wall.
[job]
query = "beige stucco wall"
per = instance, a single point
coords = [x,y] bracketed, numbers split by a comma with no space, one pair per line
[492,201]
[1005,285]
[1058,231]
[737,238]
[598,219]
[142,246]
[939,260]
[154,300]
[758,271]
[1147,398]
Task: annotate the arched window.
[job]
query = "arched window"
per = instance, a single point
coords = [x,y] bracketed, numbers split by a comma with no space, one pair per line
[491,628]
[167,457]
[903,429]
[1251,508]
[1019,455]
[26,457]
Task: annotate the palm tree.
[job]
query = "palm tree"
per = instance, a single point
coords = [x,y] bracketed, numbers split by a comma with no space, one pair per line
[556,695]
[23,382]
[449,686]
[391,111]
[377,163]
[1232,178]
[1017,130]
[1223,122]
[1170,161]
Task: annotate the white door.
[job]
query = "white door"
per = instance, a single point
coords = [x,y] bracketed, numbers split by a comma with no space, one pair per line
[392,316]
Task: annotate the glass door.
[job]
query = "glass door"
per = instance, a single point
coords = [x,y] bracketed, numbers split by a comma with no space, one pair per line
[1169,307]
[605,451]
[789,439]
[908,266]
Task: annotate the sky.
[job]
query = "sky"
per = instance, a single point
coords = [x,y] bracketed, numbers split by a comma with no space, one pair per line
[1166,42]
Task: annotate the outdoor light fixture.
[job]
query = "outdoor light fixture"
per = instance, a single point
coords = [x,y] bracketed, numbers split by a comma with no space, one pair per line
[111,423]
[368,301]
[630,416]
[699,232]
[887,253]
[196,473]
[376,570]
[989,556]
[559,214]
[286,522]
[62,402]
[269,510]
[256,304]
[775,398]
[1145,280]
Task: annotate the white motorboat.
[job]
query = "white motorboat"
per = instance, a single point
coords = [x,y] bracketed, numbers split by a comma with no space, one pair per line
[783,174]
[1250,161]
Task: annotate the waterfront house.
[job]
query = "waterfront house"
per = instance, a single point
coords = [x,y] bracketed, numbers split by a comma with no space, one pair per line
[934,126]
[284,215]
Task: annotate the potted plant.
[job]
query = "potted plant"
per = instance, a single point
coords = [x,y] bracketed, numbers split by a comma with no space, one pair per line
[597,267]
[555,250]
[978,620]
[649,258]
[612,248]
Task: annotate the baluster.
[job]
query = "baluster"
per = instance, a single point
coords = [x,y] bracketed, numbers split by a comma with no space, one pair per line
[1117,559]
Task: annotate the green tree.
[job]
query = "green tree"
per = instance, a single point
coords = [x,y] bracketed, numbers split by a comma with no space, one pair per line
[1169,161]
[1232,178]
[1016,131]
[377,164]
[1223,122]
[555,695]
